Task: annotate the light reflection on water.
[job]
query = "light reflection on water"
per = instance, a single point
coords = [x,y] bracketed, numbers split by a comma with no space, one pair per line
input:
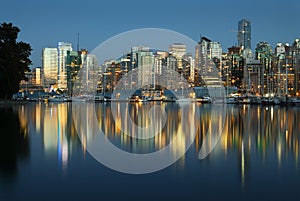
[255,138]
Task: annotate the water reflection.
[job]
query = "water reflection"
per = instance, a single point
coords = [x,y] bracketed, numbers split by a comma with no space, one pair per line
[262,135]
[14,143]
[123,135]
[176,132]
[58,131]
[254,135]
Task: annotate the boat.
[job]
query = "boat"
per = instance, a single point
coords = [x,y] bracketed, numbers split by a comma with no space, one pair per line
[134,99]
[296,101]
[270,101]
[204,99]
[57,98]
[231,100]
[219,101]
[79,99]
[154,98]
[99,98]
[255,100]
[244,100]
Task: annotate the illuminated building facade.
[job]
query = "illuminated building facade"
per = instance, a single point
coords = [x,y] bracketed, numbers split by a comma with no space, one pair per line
[73,65]
[50,67]
[63,48]
[208,54]
[244,34]
[178,49]
[263,53]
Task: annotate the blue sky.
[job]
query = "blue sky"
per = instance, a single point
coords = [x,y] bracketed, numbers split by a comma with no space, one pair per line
[44,23]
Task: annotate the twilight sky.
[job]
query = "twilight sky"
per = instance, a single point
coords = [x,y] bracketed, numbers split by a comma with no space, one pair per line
[44,23]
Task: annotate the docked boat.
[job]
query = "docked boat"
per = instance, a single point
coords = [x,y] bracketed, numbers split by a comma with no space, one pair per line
[134,99]
[255,100]
[231,100]
[219,101]
[244,100]
[296,101]
[270,101]
[99,98]
[204,99]
[57,98]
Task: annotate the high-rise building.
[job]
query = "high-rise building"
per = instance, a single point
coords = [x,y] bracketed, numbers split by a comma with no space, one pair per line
[292,68]
[264,54]
[207,52]
[236,66]
[178,49]
[244,34]
[215,50]
[50,67]
[191,60]
[144,62]
[63,48]
[73,65]
[36,79]
[91,73]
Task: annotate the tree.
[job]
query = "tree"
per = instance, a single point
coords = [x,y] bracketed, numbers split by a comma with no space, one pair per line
[14,60]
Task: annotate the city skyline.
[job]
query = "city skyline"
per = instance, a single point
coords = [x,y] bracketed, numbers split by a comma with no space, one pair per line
[43,24]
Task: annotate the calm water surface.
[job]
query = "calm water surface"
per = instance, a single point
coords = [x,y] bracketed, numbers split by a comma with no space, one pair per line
[256,157]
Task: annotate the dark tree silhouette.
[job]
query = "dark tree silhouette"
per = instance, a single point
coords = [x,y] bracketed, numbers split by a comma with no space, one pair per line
[13,145]
[14,60]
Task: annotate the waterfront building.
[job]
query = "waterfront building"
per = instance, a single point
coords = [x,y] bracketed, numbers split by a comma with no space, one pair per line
[151,70]
[143,60]
[108,75]
[36,76]
[49,67]
[292,67]
[92,73]
[33,82]
[73,65]
[252,75]
[63,48]
[281,72]
[235,67]
[263,53]
[191,61]
[208,54]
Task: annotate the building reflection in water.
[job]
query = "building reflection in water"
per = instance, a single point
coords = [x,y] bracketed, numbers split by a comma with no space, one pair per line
[54,123]
[251,133]
[260,133]
[58,131]
[123,135]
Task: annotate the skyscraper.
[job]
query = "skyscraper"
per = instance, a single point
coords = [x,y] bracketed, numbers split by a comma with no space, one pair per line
[244,34]
[206,52]
[50,66]
[144,62]
[62,69]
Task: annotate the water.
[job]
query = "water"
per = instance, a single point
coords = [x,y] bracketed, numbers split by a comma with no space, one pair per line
[256,157]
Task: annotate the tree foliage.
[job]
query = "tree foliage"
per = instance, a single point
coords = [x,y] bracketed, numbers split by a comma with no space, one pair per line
[14,60]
